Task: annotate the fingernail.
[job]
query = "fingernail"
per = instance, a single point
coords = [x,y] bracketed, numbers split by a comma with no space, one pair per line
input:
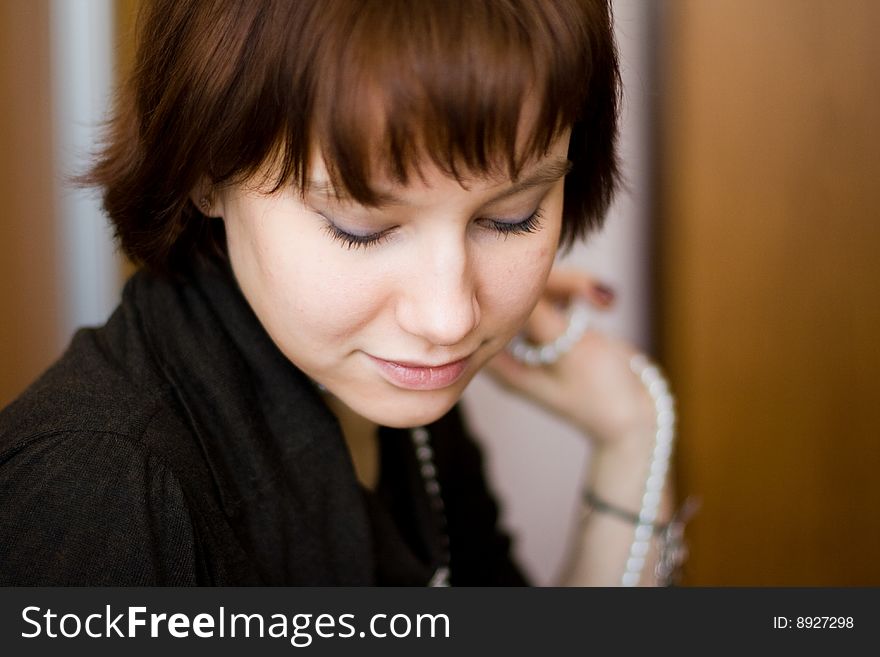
[604,293]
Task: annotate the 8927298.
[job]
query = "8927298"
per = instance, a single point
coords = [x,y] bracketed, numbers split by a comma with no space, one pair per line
[813,623]
[823,622]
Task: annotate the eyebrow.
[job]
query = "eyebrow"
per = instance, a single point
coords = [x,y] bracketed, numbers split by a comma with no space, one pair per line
[547,172]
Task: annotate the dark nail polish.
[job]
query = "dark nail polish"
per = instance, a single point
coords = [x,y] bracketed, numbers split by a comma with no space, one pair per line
[604,293]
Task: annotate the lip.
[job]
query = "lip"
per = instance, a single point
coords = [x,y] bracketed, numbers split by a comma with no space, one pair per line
[417,376]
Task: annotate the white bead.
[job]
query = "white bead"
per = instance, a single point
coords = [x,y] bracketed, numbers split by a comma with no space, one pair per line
[579,324]
[658,388]
[643,533]
[631,579]
[648,516]
[665,417]
[548,354]
[665,403]
[659,468]
[640,549]
[565,343]
[651,498]
[655,481]
[635,564]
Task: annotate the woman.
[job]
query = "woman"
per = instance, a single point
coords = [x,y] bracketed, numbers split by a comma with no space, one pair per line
[343,210]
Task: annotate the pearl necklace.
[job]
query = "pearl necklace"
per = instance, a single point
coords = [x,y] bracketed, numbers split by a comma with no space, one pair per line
[421,439]
[672,551]
[664,435]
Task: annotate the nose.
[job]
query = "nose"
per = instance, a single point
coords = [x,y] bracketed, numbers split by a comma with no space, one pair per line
[438,300]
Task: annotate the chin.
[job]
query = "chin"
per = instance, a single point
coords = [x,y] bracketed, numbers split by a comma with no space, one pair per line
[410,409]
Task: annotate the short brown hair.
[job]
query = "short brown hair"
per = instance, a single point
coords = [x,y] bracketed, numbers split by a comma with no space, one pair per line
[222,88]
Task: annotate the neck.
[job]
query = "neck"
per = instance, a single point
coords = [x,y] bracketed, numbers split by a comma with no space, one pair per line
[361,437]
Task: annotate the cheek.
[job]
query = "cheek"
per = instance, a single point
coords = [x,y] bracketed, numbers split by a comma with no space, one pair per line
[298,288]
[513,287]
[526,274]
[336,307]
[310,295]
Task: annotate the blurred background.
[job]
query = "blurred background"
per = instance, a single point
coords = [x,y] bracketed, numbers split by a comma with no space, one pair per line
[744,253]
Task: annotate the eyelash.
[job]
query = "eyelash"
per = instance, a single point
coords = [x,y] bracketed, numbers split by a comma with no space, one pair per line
[531,224]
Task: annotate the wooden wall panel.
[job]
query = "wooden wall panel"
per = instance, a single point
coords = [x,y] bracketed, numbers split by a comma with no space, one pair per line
[769,279]
[29,338]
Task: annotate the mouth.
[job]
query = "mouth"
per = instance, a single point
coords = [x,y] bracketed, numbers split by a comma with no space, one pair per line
[419,376]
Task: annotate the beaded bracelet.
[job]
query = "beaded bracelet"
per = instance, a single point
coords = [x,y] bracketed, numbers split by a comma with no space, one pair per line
[673,550]
[595,503]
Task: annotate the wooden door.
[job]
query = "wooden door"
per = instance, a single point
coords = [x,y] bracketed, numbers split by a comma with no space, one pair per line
[769,284]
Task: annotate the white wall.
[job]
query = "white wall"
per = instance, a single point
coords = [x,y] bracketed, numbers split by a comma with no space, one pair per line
[536,463]
[82,79]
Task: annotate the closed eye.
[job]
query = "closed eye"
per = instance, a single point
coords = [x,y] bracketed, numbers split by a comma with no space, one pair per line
[352,241]
[531,224]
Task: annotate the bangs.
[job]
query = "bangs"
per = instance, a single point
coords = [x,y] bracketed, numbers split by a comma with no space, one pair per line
[476,89]
[224,92]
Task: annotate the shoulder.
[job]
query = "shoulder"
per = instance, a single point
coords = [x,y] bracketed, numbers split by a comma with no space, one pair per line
[85,507]
[108,385]
[87,491]
[104,382]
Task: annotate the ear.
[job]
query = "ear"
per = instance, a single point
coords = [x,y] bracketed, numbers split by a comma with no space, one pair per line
[204,198]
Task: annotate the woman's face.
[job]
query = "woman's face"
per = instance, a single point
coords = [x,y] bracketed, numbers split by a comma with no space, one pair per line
[394,309]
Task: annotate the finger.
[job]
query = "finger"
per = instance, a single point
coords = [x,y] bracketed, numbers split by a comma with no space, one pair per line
[568,282]
[546,323]
[563,284]
[514,375]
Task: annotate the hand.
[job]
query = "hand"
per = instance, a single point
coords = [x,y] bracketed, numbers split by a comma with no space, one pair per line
[592,385]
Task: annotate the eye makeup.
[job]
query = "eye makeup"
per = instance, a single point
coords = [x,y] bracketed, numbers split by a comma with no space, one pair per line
[351,240]
[531,224]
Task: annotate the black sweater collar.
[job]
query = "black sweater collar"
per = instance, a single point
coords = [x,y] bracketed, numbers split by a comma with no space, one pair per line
[275,450]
